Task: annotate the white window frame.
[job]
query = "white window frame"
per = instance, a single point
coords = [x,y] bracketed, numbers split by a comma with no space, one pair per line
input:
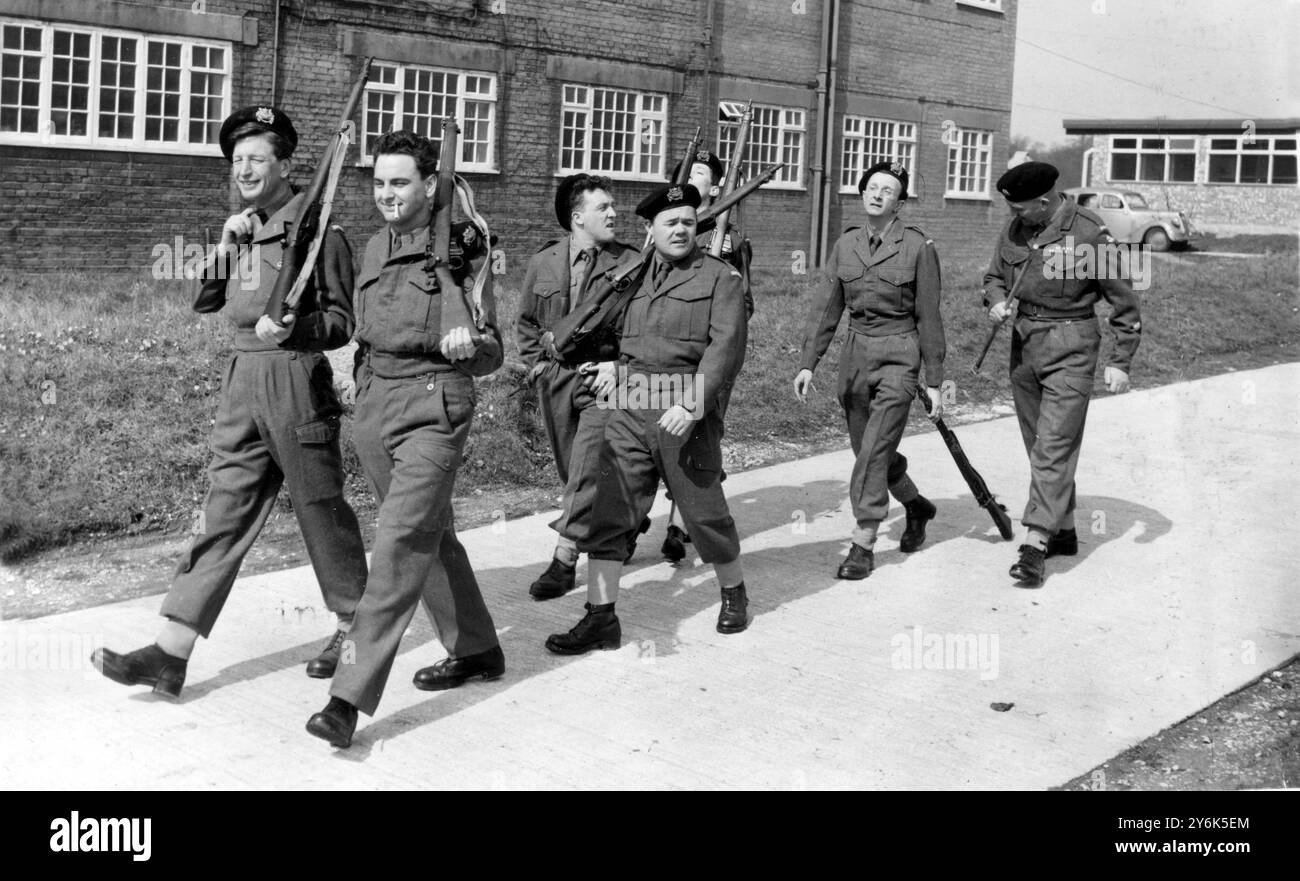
[376,89]
[648,136]
[45,136]
[790,122]
[898,137]
[1167,151]
[957,142]
[989,5]
[1241,150]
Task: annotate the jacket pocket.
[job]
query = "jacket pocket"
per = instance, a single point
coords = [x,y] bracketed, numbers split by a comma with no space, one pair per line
[687,310]
[318,461]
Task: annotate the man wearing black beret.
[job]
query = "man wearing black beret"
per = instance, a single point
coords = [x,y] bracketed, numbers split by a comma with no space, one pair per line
[887,275]
[707,175]
[683,343]
[1054,345]
[278,419]
[555,282]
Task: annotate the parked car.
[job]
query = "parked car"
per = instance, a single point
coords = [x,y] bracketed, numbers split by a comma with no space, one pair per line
[1131,220]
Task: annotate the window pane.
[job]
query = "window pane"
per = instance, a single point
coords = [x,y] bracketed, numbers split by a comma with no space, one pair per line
[1254,168]
[1223,169]
[1123,166]
[1284,169]
[1284,144]
[1125,143]
[162,91]
[1153,166]
[1223,144]
[70,84]
[1182,167]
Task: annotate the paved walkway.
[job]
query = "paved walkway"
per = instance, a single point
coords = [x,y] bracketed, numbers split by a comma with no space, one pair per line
[1184,591]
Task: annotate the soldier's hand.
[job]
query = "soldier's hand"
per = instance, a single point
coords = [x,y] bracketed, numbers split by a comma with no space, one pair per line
[458,344]
[936,403]
[676,420]
[269,332]
[536,371]
[999,311]
[240,226]
[1116,380]
[803,384]
[601,377]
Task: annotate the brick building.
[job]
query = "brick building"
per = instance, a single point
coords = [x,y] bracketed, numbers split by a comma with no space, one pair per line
[109,110]
[1228,175]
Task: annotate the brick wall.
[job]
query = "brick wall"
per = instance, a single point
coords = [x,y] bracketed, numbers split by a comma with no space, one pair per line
[73,208]
[1212,207]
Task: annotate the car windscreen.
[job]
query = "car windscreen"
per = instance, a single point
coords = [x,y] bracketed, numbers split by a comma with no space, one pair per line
[1135,200]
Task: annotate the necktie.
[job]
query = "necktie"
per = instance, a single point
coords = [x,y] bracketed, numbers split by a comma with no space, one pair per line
[661,273]
[873,243]
[587,257]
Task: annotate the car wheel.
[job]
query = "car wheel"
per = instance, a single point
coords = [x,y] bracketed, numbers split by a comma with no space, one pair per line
[1156,239]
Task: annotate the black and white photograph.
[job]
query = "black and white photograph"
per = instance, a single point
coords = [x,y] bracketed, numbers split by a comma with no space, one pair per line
[761,395]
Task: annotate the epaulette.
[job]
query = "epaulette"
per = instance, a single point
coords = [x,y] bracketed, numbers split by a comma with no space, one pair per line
[916,229]
[547,245]
[852,229]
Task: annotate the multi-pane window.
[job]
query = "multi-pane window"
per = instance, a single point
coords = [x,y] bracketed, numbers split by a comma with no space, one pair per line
[776,134]
[970,159]
[91,87]
[1264,161]
[1158,160]
[616,132]
[868,141]
[408,96]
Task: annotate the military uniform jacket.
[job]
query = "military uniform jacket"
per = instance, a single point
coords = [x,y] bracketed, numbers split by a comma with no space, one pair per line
[737,251]
[324,320]
[695,323]
[399,307]
[1076,236]
[544,298]
[894,290]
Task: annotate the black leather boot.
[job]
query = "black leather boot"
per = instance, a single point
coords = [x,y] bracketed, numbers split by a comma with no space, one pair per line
[147,666]
[323,665]
[733,617]
[452,672]
[1029,570]
[335,723]
[598,629]
[556,581]
[857,565]
[675,542]
[1064,543]
[920,511]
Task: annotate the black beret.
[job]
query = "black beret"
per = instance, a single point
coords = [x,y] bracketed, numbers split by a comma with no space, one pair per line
[707,158]
[1026,181]
[562,192]
[665,197]
[892,168]
[271,119]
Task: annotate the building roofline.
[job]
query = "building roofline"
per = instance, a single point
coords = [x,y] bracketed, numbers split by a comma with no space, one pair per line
[1181,126]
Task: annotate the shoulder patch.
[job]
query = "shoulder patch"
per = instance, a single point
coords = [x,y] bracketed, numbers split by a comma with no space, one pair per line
[916,229]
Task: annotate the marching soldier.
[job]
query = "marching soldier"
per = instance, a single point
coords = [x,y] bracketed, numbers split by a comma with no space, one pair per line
[683,339]
[415,402]
[1054,346]
[707,175]
[277,421]
[555,283]
[887,275]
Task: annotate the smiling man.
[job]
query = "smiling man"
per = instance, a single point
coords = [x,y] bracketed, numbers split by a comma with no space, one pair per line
[415,402]
[277,421]
[686,320]
[886,274]
[555,283]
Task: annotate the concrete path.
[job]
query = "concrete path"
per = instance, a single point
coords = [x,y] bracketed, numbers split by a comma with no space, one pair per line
[1184,591]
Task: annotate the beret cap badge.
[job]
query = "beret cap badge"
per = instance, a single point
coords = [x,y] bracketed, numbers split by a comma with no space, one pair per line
[675,194]
[265,116]
[896,167]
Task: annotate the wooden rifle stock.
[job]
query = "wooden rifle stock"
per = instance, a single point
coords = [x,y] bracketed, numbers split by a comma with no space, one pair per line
[455,311]
[1012,305]
[304,228]
[983,495]
[729,182]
